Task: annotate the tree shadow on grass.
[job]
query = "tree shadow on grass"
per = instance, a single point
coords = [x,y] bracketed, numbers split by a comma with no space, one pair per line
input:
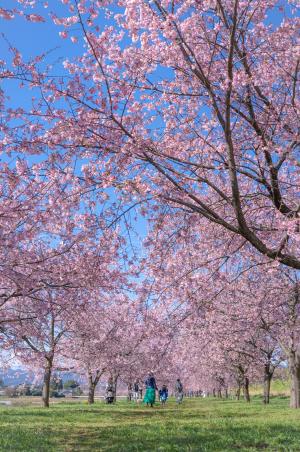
[154,438]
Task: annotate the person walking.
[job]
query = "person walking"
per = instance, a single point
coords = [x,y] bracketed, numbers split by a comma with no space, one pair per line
[151,387]
[136,391]
[163,394]
[130,392]
[109,391]
[178,391]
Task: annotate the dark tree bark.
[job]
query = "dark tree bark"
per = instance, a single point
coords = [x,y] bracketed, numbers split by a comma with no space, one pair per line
[268,375]
[46,382]
[246,389]
[294,349]
[91,395]
[115,382]
[294,364]
[129,394]
[92,386]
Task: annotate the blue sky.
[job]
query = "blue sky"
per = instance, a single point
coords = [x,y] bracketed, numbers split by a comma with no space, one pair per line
[35,38]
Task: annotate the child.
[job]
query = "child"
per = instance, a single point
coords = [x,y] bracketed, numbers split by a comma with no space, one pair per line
[163,394]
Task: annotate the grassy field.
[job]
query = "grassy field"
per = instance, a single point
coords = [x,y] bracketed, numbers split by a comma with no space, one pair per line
[278,387]
[197,425]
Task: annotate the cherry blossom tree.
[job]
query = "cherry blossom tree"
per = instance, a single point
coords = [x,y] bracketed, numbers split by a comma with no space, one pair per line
[196,109]
[39,321]
[232,300]
[187,111]
[98,339]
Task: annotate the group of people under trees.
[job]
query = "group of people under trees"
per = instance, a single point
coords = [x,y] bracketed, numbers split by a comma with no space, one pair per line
[163,393]
[150,394]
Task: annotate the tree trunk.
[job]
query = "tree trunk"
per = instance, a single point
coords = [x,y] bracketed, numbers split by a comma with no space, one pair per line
[92,385]
[91,395]
[214,392]
[129,394]
[268,374]
[294,364]
[46,383]
[226,393]
[238,392]
[246,389]
[115,381]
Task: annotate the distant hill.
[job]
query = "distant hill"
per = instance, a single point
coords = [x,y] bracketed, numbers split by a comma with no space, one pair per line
[14,377]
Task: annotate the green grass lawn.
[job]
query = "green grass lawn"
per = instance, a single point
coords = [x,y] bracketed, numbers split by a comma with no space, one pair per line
[197,425]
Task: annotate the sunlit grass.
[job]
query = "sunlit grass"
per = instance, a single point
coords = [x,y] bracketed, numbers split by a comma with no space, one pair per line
[197,425]
[278,387]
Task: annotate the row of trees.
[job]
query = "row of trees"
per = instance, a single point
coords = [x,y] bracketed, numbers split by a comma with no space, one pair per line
[186,114]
